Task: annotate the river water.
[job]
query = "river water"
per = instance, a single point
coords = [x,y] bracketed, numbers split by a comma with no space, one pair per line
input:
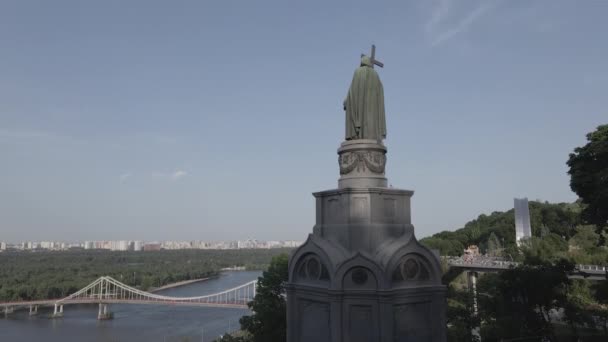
[134,322]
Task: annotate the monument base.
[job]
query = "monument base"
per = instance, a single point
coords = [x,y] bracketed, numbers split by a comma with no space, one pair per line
[354,315]
[362,275]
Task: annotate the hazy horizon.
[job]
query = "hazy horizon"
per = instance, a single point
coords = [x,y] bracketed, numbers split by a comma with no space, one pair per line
[154,120]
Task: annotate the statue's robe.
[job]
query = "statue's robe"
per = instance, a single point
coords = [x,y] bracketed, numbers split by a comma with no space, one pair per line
[364,105]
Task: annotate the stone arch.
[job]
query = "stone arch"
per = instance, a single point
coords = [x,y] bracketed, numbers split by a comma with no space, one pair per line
[412,267]
[359,272]
[311,269]
[311,253]
[414,264]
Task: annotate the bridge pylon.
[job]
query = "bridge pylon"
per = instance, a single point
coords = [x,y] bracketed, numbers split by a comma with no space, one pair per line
[7,310]
[104,313]
[58,311]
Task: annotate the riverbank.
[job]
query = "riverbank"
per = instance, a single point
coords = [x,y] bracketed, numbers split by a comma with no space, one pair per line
[178,284]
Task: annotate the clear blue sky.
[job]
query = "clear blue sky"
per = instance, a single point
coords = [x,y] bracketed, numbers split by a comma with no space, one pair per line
[217,120]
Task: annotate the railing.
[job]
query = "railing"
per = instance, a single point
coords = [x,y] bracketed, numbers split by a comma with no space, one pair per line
[593,268]
[493,263]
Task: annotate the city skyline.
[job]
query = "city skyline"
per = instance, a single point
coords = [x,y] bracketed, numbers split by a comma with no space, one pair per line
[139,245]
[150,119]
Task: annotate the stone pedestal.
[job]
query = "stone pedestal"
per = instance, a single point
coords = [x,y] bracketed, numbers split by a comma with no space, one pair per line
[362,275]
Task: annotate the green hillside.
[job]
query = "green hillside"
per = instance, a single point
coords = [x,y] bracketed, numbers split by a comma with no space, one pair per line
[557,229]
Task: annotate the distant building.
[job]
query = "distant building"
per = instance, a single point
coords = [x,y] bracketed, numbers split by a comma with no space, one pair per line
[471,252]
[292,244]
[2,246]
[89,245]
[250,243]
[138,246]
[122,245]
[523,230]
[47,245]
[29,245]
[152,247]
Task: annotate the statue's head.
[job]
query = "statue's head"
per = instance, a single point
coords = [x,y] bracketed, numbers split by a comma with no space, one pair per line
[366,61]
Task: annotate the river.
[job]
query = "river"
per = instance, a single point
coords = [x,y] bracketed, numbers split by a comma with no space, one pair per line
[134,322]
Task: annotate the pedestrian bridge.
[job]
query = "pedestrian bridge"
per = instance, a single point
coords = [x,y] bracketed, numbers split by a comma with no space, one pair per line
[107,290]
[484,264]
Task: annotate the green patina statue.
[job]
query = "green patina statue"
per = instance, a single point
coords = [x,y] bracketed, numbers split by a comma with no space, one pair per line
[364,104]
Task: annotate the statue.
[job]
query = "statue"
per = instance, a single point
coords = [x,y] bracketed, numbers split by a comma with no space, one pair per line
[364,104]
[362,275]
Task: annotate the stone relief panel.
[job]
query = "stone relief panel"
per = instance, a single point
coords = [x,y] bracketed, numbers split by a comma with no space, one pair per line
[311,269]
[359,161]
[412,322]
[412,267]
[314,322]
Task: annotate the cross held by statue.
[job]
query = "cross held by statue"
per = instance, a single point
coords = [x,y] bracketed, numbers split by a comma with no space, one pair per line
[373,58]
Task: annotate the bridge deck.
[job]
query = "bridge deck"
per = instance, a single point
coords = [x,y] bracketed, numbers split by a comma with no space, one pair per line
[239,305]
[481,264]
[107,290]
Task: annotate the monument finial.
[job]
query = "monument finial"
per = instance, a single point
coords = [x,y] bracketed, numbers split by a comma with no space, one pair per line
[373,58]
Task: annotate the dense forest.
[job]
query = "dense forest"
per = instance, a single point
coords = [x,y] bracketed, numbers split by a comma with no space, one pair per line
[40,275]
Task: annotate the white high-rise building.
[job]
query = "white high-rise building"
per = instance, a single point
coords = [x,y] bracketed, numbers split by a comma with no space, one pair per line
[138,246]
[523,230]
[121,245]
[47,245]
[29,245]
[2,246]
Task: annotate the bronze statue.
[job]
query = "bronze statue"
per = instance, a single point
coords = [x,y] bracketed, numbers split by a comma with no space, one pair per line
[364,104]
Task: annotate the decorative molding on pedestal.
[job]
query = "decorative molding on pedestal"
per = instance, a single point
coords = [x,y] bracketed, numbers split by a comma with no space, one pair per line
[374,161]
[362,164]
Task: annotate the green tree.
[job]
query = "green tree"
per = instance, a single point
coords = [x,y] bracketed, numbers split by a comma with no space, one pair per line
[550,248]
[585,238]
[269,320]
[445,246]
[494,245]
[578,308]
[589,178]
[519,307]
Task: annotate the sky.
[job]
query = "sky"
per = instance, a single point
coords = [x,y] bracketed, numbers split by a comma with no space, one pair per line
[216,120]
